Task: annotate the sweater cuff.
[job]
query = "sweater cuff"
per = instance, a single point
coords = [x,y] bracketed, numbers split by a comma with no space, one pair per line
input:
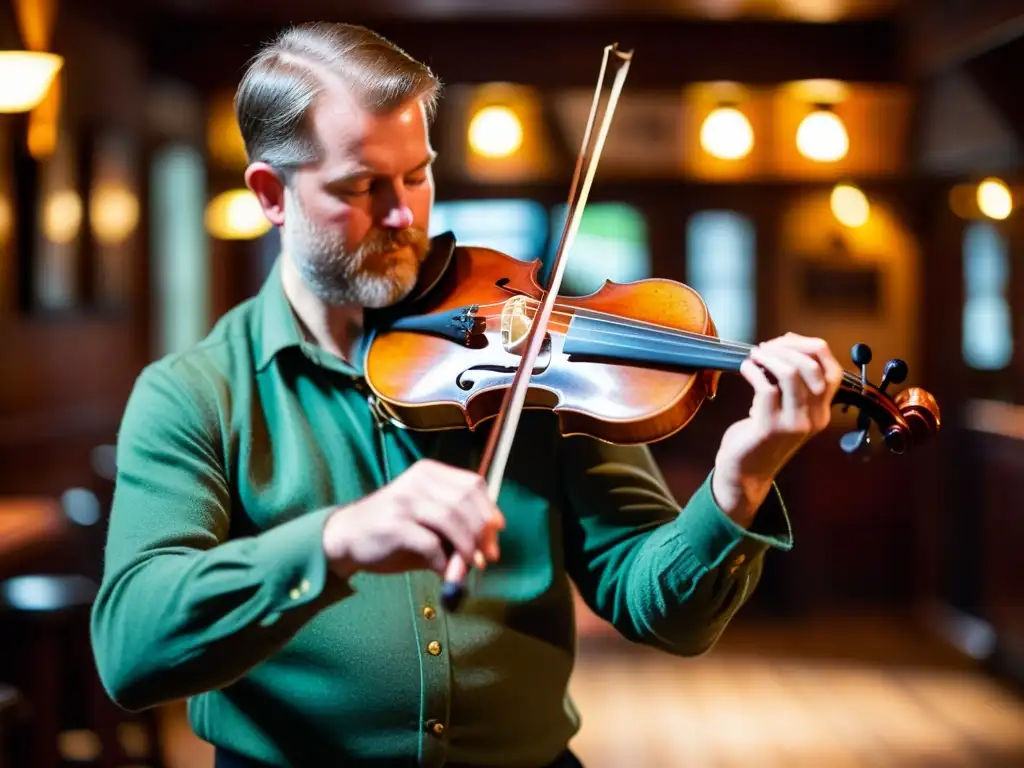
[712,536]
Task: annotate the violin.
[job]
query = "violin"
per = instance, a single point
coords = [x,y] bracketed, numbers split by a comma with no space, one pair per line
[630,363]
[480,339]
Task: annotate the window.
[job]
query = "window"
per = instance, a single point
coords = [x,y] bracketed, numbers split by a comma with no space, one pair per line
[515,227]
[179,247]
[987,338]
[611,244]
[720,264]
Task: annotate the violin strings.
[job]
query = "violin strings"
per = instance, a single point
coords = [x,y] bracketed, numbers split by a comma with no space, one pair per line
[640,325]
[675,339]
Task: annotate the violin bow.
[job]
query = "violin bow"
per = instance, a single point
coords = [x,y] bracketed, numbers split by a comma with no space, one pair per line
[503,431]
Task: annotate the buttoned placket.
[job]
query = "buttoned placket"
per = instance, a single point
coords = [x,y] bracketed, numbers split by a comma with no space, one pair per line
[435,665]
[431,630]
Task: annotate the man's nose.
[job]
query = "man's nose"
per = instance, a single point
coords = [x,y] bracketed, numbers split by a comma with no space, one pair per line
[399,217]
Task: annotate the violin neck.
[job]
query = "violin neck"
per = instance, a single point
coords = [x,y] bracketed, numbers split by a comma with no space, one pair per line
[632,341]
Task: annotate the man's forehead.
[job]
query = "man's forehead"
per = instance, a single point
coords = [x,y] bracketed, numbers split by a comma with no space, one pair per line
[336,109]
[345,125]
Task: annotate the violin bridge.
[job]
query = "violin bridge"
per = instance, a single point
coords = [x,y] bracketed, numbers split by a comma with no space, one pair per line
[515,325]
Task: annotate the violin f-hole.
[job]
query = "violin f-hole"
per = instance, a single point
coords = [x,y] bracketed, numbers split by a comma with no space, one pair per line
[467,381]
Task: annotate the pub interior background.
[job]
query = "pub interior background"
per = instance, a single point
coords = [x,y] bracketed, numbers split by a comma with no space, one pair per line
[848,169]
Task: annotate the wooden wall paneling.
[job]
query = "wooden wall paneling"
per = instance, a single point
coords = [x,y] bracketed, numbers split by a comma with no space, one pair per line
[67,375]
[1001,489]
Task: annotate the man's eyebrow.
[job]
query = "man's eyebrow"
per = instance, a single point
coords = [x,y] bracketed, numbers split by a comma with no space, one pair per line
[355,174]
[360,172]
[428,160]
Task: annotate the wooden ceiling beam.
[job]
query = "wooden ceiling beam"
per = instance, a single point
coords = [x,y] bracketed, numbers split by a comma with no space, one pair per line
[567,54]
[944,34]
[995,74]
[537,11]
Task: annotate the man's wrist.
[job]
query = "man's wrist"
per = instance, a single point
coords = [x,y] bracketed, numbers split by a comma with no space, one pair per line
[335,546]
[739,496]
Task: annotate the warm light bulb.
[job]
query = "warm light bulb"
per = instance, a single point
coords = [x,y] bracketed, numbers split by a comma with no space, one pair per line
[849,205]
[816,10]
[495,131]
[25,78]
[726,134]
[994,199]
[822,137]
[113,214]
[236,215]
[62,216]
[6,219]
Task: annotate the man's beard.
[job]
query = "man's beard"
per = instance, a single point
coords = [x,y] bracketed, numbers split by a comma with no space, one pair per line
[380,272]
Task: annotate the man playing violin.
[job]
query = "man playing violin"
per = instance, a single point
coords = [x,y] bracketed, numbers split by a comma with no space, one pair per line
[276,550]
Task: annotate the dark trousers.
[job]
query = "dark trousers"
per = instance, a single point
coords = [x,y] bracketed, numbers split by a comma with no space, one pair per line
[224,758]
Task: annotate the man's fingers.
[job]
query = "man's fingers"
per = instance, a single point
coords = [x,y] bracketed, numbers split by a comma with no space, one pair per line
[452,526]
[755,375]
[465,495]
[786,373]
[456,570]
[818,349]
[809,367]
[428,545]
[766,395]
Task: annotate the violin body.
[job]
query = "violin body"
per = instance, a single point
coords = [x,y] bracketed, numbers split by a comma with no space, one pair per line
[435,374]
[630,363]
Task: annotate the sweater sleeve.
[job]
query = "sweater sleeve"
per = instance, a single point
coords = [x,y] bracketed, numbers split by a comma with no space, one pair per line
[181,609]
[662,575]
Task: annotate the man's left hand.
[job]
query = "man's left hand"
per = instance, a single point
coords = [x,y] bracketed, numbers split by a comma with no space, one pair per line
[785,414]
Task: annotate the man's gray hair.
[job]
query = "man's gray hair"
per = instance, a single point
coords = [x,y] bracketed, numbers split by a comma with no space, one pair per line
[282,82]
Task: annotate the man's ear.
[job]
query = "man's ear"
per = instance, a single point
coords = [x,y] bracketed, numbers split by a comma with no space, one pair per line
[269,190]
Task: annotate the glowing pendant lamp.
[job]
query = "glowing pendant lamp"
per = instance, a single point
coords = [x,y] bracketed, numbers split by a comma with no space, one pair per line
[25,78]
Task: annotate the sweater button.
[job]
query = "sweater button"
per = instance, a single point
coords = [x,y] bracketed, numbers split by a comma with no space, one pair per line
[434,648]
[429,613]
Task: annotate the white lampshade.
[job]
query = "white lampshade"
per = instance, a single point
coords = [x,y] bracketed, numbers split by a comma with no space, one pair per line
[25,78]
[726,133]
[822,137]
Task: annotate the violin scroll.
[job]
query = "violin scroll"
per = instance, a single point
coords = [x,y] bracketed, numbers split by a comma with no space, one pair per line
[910,419]
[921,412]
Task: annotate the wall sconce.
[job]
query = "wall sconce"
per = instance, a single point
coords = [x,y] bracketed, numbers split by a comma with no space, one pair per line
[113,213]
[62,216]
[726,133]
[25,78]
[822,136]
[495,131]
[849,206]
[994,199]
[236,215]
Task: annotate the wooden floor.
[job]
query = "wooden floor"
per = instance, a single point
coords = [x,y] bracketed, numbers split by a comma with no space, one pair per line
[833,694]
[840,694]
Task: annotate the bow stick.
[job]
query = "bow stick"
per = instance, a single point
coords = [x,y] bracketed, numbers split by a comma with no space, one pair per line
[499,443]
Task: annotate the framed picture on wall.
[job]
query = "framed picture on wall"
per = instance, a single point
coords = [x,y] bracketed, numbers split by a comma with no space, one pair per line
[831,286]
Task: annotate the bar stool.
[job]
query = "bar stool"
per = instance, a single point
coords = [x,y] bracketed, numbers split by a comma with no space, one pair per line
[49,654]
[12,709]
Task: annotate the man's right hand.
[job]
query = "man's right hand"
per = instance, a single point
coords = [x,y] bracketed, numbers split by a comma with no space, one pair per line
[415,523]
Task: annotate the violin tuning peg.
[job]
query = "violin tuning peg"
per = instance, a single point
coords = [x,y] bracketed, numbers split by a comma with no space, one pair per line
[855,441]
[896,371]
[859,439]
[860,354]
